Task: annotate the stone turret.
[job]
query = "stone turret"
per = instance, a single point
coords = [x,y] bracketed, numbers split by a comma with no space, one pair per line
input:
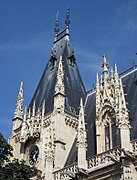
[82,139]
[18,114]
[58,116]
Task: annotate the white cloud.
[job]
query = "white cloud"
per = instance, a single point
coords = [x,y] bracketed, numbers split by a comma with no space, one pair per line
[39,41]
[127,16]
[88,60]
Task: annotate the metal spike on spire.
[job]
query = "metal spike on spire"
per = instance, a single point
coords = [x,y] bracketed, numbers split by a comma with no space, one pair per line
[67,21]
[56,30]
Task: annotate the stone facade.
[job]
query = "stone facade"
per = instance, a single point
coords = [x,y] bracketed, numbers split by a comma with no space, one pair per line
[52,134]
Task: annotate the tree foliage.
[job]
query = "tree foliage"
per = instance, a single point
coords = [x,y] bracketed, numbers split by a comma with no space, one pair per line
[15,170]
[5,150]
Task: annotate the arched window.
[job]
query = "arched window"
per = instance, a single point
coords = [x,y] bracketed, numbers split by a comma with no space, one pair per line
[111,133]
[110,136]
[107,137]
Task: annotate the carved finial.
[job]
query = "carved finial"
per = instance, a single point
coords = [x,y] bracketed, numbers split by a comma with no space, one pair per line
[116,74]
[25,114]
[59,88]
[56,30]
[112,75]
[34,108]
[43,108]
[81,116]
[81,138]
[97,83]
[19,104]
[101,81]
[67,21]
[29,113]
[97,78]
[105,71]
[105,64]
[38,112]
[116,68]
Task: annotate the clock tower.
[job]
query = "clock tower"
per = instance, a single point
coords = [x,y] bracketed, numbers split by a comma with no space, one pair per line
[44,133]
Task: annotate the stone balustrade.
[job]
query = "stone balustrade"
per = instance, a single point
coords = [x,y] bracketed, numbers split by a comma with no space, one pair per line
[111,156]
[134,146]
[66,173]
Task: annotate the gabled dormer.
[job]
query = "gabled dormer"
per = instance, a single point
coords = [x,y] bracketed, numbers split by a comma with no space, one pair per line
[112,119]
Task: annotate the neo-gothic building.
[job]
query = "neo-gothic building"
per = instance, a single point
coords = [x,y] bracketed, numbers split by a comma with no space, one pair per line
[68,133]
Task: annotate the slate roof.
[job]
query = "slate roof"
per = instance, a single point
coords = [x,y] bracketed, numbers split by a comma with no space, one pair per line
[74,88]
[129,80]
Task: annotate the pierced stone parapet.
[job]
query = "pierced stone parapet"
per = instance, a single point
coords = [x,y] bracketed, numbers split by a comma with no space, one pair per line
[110,156]
[71,121]
[66,173]
[134,146]
[46,121]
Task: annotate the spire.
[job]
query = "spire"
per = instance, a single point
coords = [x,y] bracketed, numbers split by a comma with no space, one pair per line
[25,115]
[112,75]
[29,113]
[67,21]
[101,82]
[97,79]
[81,116]
[56,30]
[19,104]
[105,63]
[23,128]
[116,75]
[97,92]
[59,88]
[43,108]
[34,108]
[105,67]
[81,139]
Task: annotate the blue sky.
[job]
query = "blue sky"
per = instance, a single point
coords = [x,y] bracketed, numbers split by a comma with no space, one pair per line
[26,37]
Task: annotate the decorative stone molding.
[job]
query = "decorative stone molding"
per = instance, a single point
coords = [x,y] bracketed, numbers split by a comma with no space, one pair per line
[66,173]
[19,104]
[111,110]
[71,121]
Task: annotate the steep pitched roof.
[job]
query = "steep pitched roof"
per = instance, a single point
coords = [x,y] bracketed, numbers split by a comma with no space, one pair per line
[129,81]
[74,88]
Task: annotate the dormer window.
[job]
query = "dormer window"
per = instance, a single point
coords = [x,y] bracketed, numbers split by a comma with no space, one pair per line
[53,61]
[72,60]
[110,136]
[107,137]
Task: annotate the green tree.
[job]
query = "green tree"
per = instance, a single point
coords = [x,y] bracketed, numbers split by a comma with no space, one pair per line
[5,150]
[15,170]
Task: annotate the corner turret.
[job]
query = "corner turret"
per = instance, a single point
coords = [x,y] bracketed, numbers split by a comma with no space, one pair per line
[18,114]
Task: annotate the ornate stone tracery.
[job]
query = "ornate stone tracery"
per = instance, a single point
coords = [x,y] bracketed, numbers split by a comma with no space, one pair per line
[111,109]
